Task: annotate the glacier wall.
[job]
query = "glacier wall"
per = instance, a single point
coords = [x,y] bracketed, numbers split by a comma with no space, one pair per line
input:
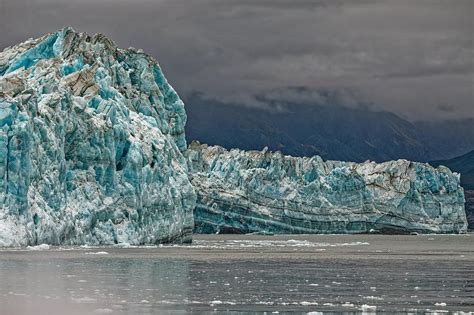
[260,191]
[91,146]
[93,151]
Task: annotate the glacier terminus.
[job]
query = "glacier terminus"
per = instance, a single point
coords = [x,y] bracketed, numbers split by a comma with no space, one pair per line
[93,151]
[267,192]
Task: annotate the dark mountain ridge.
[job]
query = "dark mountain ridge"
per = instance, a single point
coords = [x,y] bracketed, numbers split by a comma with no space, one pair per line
[333,132]
[462,164]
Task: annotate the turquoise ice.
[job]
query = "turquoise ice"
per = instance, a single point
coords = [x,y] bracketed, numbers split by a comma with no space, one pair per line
[266,192]
[91,146]
[93,151]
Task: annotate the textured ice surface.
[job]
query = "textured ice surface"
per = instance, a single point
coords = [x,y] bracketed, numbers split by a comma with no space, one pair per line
[252,191]
[91,142]
[91,152]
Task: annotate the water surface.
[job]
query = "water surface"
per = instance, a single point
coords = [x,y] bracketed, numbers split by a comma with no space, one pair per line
[245,273]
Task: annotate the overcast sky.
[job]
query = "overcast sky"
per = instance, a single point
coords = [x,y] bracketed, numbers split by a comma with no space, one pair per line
[414,58]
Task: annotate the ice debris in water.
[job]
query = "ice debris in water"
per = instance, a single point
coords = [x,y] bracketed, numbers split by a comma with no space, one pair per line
[39,247]
[261,191]
[366,307]
[91,146]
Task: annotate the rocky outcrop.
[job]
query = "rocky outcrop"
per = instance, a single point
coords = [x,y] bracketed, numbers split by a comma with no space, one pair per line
[91,146]
[260,191]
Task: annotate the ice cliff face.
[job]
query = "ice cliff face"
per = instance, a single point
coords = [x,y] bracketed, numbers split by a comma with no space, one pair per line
[91,152]
[91,142]
[251,191]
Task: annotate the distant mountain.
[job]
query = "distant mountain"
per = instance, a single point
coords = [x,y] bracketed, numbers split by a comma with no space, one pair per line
[333,132]
[464,165]
[448,139]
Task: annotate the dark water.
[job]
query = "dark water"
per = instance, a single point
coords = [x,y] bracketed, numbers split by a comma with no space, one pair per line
[236,274]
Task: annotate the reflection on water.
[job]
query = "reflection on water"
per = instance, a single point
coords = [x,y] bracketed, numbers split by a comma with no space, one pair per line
[222,275]
[85,284]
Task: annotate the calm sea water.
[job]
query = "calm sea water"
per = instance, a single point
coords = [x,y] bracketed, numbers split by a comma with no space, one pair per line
[235,274]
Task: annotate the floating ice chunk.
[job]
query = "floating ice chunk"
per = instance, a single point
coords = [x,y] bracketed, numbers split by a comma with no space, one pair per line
[365,307]
[123,245]
[39,247]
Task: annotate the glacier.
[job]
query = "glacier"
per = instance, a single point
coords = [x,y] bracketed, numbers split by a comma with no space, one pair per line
[93,151]
[268,192]
[91,146]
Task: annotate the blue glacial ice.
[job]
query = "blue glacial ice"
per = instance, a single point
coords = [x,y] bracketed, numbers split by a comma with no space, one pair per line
[91,146]
[93,151]
[260,191]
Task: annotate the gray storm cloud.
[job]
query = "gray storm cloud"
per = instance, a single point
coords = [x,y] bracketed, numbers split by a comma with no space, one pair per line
[414,58]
